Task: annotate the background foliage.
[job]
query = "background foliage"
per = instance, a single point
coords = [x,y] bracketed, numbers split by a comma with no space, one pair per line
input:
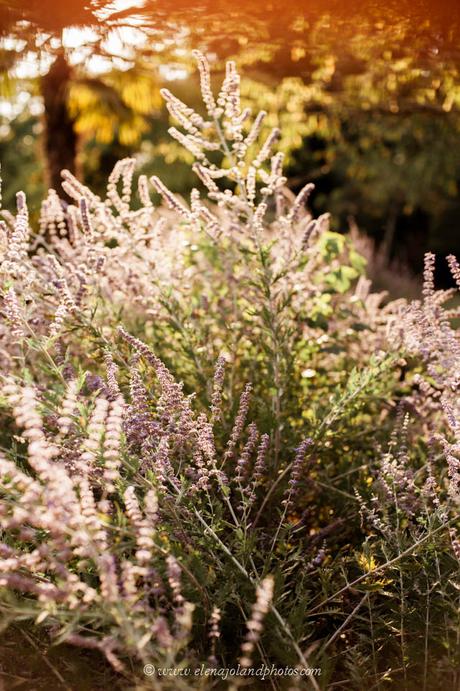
[367,98]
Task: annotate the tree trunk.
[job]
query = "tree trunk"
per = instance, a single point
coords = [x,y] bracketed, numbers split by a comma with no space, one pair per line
[61,140]
[386,247]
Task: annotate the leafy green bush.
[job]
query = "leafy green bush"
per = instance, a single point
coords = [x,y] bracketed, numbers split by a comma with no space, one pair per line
[219,447]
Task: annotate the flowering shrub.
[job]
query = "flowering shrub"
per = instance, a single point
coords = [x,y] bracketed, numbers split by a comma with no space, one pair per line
[218,445]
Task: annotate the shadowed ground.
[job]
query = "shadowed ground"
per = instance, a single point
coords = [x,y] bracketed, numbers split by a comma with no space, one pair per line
[28,663]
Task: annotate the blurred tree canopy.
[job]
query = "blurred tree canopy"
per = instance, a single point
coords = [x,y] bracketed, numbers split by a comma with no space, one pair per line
[367,95]
[111,107]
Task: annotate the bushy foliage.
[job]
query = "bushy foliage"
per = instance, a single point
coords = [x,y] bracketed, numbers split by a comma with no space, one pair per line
[218,445]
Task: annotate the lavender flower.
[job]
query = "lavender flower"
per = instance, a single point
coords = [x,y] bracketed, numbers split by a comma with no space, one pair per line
[218,382]
[13,313]
[454,267]
[239,422]
[205,83]
[296,473]
[242,465]
[264,596]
